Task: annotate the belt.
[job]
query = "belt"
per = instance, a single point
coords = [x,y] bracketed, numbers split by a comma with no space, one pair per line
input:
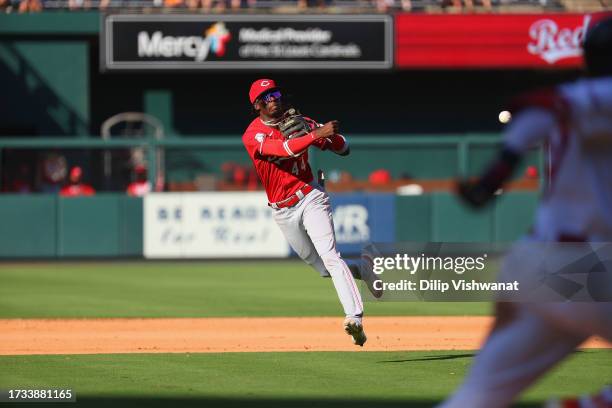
[293,199]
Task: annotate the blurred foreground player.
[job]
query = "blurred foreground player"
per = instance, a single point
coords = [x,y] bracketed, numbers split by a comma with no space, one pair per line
[277,142]
[529,338]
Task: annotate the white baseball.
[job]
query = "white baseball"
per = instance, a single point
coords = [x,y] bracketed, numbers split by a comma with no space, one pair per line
[504,116]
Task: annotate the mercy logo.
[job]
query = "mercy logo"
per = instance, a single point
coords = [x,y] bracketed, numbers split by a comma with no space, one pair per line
[197,48]
[219,36]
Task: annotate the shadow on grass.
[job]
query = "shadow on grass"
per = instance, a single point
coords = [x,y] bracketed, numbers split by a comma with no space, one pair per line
[253,403]
[432,358]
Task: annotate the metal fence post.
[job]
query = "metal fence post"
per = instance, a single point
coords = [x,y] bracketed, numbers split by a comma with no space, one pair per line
[462,159]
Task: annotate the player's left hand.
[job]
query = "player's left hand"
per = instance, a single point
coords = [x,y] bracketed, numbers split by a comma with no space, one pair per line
[478,193]
[472,193]
[293,124]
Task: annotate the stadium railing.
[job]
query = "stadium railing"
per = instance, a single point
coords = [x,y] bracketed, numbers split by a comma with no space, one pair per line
[462,148]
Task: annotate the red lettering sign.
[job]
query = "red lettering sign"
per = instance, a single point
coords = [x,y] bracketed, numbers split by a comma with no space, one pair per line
[491,40]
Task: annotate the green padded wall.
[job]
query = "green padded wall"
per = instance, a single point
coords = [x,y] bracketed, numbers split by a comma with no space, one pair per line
[48,226]
[28,226]
[479,157]
[413,218]
[454,222]
[441,217]
[104,225]
[130,226]
[89,226]
[514,215]
[111,225]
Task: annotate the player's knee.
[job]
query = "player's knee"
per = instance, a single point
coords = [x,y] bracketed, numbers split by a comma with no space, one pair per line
[314,261]
[318,265]
[310,258]
[332,260]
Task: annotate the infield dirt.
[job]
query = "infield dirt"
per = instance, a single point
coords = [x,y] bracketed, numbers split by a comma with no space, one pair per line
[216,335]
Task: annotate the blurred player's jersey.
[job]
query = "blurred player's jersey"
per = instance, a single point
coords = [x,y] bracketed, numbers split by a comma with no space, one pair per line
[577,129]
[280,176]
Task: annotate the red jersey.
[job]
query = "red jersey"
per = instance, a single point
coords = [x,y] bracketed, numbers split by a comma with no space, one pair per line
[282,165]
[75,190]
[138,188]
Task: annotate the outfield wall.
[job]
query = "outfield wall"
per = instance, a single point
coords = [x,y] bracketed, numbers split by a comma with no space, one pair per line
[211,225]
[48,226]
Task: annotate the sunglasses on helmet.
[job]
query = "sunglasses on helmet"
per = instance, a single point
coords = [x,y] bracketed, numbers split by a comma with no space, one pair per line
[271,96]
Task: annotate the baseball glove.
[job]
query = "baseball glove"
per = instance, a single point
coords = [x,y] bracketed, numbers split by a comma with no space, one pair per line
[293,124]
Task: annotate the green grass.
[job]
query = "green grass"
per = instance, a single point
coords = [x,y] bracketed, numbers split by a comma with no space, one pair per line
[270,380]
[281,379]
[187,289]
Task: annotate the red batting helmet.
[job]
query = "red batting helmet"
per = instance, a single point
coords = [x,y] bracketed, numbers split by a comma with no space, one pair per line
[260,86]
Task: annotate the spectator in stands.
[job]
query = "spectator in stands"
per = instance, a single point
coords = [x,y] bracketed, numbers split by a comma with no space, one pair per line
[21,182]
[30,6]
[216,5]
[469,4]
[384,5]
[75,186]
[241,176]
[303,4]
[380,177]
[141,185]
[178,3]
[531,172]
[53,169]
[75,4]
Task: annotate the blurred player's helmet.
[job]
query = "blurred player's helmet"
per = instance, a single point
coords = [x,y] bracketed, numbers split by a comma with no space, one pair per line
[598,48]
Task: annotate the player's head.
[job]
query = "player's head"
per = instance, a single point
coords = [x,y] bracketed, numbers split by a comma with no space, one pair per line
[266,98]
[76,173]
[598,48]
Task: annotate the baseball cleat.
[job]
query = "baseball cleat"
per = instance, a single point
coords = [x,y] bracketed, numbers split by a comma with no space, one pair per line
[354,328]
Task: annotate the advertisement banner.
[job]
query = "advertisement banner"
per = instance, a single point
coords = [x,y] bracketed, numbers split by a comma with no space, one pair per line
[360,219]
[240,225]
[211,225]
[200,42]
[491,40]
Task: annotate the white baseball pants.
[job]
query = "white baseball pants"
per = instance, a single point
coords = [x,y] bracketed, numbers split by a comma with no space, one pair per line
[309,229]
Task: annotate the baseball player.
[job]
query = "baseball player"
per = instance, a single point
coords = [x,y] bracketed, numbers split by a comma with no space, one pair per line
[527,339]
[277,141]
